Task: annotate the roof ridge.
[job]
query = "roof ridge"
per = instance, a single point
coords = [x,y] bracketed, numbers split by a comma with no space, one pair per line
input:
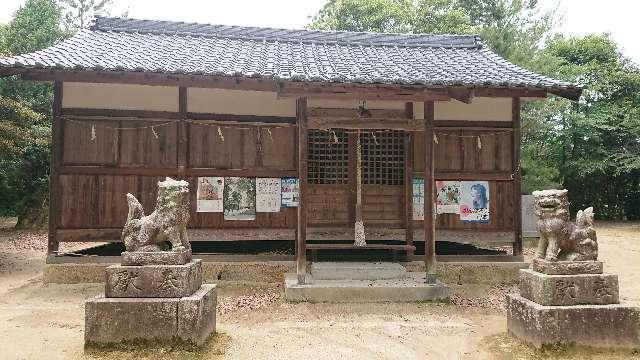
[180,28]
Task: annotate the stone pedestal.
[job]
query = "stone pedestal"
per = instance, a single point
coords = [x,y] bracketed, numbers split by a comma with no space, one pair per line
[571,302]
[163,299]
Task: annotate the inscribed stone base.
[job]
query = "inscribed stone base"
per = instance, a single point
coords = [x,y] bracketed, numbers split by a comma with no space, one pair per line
[156,257]
[609,326]
[566,267]
[153,281]
[569,289]
[113,320]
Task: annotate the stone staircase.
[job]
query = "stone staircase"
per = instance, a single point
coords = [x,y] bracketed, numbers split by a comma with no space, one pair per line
[362,282]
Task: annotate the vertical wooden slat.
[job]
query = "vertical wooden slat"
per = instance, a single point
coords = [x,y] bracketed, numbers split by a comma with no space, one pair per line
[57,136]
[301,249]
[429,224]
[517,178]
[351,175]
[183,144]
[408,182]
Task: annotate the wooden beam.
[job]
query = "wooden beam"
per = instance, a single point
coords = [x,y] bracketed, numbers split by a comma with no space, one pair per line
[470,175]
[408,184]
[464,95]
[511,92]
[340,114]
[517,177]
[351,175]
[57,138]
[429,181]
[182,136]
[362,92]
[171,171]
[116,113]
[301,249]
[361,124]
[447,124]
[242,118]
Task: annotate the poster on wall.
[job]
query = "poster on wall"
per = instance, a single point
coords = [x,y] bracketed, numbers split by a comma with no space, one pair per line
[239,198]
[447,197]
[210,194]
[290,193]
[474,201]
[418,199]
[268,194]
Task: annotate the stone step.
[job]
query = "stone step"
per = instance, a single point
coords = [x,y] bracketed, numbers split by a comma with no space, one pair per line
[569,289]
[357,271]
[411,288]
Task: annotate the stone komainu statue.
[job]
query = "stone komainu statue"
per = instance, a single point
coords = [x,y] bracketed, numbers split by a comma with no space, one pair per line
[167,223]
[560,239]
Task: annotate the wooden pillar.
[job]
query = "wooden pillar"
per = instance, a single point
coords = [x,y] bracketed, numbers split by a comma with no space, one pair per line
[301,248]
[517,177]
[55,160]
[429,224]
[183,144]
[408,183]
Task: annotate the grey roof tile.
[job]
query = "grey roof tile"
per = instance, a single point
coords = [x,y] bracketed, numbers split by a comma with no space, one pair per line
[298,55]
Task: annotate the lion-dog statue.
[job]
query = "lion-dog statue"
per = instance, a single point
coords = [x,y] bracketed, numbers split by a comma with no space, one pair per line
[167,223]
[560,239]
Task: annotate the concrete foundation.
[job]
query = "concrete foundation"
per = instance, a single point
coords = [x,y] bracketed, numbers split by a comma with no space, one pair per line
[411,288]
[112,320]
[569,289]
[460,273]
[614,325]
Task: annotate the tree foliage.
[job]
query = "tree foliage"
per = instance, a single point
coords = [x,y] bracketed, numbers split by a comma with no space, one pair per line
[78,13]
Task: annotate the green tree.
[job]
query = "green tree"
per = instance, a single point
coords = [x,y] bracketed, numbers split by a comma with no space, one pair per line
[25,115]
[595,143]
[78,13]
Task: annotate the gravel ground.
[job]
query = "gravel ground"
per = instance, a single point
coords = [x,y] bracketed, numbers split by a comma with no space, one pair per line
[40,321]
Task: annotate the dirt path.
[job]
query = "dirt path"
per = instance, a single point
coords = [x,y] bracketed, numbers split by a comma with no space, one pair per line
[39,321]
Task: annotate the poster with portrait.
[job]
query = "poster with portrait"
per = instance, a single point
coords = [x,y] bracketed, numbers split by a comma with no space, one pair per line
[474,201]
[418,199]
[210,193]
[239,198]
[447,197]
[268,194]
[290,193]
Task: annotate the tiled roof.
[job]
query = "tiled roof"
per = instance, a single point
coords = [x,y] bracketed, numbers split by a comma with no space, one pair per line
[116,44]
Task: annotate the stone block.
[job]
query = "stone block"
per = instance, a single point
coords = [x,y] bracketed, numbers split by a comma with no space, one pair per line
[154,280]
[114,320]
[610,326]
[110,320]
[197,314]
[566,267]
[156,257]
[568,289]
[357,271]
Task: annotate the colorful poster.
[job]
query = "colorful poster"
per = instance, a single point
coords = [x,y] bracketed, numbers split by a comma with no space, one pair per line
[418,199]
[447,197]
[290,194]
[239,198]
[210,194]
[268,194]
[474,201]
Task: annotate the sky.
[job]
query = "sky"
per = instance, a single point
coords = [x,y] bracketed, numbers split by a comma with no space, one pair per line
[580,17]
